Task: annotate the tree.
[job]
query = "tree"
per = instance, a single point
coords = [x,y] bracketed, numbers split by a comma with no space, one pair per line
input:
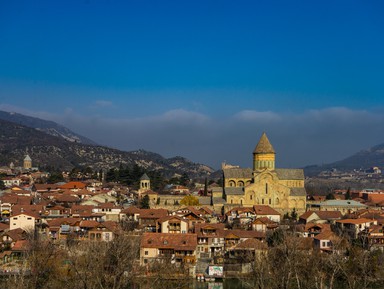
[80,265]
[144,203]
[55,177]
[330,196]
[348,194]
[294,214]
[189,201]
[184,179]
[2,185]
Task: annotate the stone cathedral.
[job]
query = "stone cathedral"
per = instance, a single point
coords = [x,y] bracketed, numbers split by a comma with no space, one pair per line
[281,189]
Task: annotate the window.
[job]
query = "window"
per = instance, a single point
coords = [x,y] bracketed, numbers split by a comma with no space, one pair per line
[29,218]
[145,253]
[270,201]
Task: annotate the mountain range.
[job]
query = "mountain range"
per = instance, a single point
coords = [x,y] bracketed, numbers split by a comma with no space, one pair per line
[362,160]
[52,145]
[49,127]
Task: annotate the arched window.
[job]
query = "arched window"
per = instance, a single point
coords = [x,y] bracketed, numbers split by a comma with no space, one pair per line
[266,188]
[277,201]
[231,183]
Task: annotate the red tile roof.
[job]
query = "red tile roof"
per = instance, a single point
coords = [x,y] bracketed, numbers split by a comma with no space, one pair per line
[265,210]
[153,213]
[179,242]
[73,185]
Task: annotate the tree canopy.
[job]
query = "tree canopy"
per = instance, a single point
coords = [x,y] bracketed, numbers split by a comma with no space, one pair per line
[189,201]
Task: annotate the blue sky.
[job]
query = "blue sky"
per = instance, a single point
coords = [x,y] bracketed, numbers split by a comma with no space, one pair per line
[201,79]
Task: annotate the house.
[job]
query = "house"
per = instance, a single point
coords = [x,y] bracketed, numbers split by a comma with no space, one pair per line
[111,211]
[240,216]
[105,231]
[344,206]
[99,199]
[374,237]
[210,239]
[353,227]
[148,218]
[246,251]
[130,214]
[73,186]
[233,237]
[45,188]
[268,212]
[311,229]
[320,217]
[326,241]
[25,221]
[172,224]
[193,219]
[9,238]
[9,182]
[163,247]
[61,228]
[263,224]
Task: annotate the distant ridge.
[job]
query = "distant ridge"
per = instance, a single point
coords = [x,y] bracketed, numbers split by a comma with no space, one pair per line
[46,150]
[365,159]
[49,127]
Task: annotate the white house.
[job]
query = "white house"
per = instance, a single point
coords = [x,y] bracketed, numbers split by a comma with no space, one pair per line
[24,221]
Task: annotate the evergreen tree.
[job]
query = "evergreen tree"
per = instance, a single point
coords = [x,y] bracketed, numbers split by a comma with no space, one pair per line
[184,180]
[330,196]
[144,204]
[55,177]
[348,194]
[2,185]
[294,214]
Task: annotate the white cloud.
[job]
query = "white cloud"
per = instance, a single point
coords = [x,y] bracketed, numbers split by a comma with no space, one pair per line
[311,137]
[252,115]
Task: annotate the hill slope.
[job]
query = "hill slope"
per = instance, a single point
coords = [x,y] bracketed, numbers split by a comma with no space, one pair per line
[49,127]
[47,150]
[365,159]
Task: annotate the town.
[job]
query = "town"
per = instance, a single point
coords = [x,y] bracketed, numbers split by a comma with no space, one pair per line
[207,231]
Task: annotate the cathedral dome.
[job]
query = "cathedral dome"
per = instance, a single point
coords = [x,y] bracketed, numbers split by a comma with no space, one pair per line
[264,146]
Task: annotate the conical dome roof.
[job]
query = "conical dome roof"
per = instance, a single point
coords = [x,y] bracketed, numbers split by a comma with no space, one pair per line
[264,146]
[144,177]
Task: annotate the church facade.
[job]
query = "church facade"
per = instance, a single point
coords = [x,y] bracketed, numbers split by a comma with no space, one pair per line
[281,189]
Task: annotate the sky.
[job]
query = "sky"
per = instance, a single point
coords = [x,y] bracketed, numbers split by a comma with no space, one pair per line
[201,79]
